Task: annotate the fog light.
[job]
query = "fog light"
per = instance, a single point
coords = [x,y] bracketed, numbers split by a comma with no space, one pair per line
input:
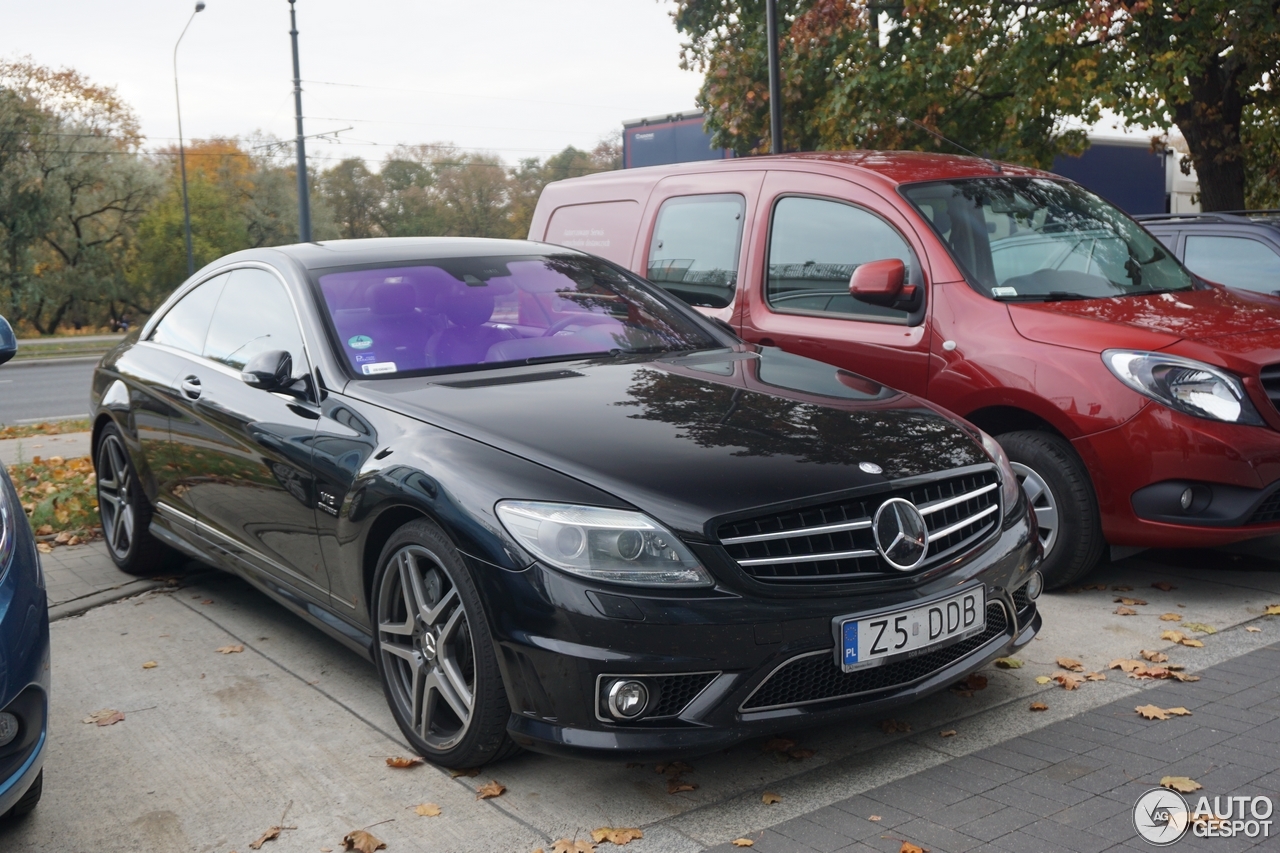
[627,699]
[8,728]
[1035,586]
[1188,495]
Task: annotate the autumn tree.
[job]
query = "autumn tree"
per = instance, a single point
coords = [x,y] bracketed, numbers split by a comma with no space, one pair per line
[531,175]
[1014,80]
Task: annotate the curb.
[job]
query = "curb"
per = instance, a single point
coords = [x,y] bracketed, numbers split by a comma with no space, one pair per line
[70,359]
[85,603]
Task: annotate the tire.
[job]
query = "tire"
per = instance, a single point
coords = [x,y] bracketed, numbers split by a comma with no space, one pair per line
[124,509]
[27,803]
[434,654]
[1059,489]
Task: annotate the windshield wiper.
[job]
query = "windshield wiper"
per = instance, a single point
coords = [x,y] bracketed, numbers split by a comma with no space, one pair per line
[1051,296]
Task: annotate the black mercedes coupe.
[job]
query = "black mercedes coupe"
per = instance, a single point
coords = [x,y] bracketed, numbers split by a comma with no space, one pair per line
[558,508]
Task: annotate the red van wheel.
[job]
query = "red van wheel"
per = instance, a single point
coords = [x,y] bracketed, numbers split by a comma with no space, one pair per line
[1056,484]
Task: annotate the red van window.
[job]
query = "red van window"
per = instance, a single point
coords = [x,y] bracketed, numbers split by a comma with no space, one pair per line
[607,229]
[695,249]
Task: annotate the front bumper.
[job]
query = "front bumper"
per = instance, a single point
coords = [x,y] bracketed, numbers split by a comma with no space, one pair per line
[1140,468]
[557,647]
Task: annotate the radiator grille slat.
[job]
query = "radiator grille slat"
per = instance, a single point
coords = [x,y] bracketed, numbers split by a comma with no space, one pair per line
[834,542]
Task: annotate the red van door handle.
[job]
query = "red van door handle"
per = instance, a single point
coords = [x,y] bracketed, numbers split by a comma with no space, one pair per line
[766,342]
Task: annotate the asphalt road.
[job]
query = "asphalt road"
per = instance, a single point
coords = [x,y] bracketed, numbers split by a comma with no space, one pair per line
[34,392]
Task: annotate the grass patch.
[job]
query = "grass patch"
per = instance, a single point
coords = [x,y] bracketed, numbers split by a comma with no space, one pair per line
[60,499]
[50,428]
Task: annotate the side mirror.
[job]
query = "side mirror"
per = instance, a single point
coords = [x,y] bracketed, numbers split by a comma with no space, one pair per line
[8,341]
[269,371]
[879,282]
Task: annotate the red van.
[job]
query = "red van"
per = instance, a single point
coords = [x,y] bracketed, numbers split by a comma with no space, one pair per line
[1137,402]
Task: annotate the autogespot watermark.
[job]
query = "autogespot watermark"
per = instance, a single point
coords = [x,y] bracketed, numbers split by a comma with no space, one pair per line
[1162,817]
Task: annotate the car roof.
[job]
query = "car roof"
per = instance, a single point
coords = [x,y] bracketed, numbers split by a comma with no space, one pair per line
[377,250]
[1264,218]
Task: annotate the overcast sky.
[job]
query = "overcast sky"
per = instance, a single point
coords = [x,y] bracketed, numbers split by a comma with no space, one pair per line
[517,77]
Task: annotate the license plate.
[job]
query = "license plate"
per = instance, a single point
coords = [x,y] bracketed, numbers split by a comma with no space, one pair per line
[867,641]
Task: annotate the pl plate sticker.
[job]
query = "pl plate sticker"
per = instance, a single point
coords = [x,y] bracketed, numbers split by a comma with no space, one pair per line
[378,367]
[360,342]
[366,358]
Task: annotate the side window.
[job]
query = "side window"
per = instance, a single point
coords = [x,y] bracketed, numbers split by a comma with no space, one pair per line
[253,316]
[814,247]
[695,249]
[1234,261]
[185,325]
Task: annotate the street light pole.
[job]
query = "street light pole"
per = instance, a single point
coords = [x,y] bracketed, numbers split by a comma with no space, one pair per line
[304,199]
[182,154]
[775,83]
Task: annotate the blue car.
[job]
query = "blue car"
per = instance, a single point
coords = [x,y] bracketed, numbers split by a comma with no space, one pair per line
[24,647]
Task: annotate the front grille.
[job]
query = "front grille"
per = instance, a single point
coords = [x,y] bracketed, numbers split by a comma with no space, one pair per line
[1270,377]
[833,542]
[1267,511]
[675,692]
[815,677]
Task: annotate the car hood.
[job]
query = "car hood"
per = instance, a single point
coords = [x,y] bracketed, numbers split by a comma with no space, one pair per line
[690,439]
[1147,322]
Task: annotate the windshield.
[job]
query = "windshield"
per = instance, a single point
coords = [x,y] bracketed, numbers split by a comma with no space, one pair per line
[459,313]
[1035,239]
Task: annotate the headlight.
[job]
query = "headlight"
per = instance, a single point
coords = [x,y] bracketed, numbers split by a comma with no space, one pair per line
[613,545]
[1191,387]
[1010,491]
[8,524]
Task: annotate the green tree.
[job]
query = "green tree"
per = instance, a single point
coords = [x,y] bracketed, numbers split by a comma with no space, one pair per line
[1010,79]
[354,194]
[530,177]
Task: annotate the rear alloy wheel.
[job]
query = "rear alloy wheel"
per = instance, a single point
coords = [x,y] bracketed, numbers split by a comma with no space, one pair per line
[1058,487]
[124,509]
[434,655]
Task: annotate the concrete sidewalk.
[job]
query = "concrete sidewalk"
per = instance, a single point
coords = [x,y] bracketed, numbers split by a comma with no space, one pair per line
[81,577]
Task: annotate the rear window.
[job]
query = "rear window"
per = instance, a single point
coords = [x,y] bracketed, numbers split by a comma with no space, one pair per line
[469,313]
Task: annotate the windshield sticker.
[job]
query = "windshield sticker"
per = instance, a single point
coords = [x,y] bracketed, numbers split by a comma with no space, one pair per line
[360,342]
[1004,291]
[378,367]
[366,358]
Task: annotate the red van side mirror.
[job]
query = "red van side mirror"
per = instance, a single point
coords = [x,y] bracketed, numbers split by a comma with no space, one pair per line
[878,282]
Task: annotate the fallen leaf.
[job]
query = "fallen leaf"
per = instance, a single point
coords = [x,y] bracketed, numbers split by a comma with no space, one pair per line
[400,761]
[428,810]
[776,744]
[875,817]
[1253,630]
[1181,784]
[1164,586]
[908,847]
[1125,611]
[676,785]
[270,835]
[1152,712]
[1121,588]
[1183,676]
[1195,644]
[1039,706]
[150,665]
[1200,627]
[1131,602]
[230,650]
[573,845]
[1102,587]
[1095,676]
[44,547]
[44,530]
[893,726]
[490,790]
[210,601]
[105,717]
[616,836]
[1043,679]
[1008,663]
[675,768]
[743,842]
[1068,682]
[359,840]
[1173,636]
[770,798]
[470,771]
[1154,657]
[1071,664]
[1272,610]
[947,733]
[1170,617]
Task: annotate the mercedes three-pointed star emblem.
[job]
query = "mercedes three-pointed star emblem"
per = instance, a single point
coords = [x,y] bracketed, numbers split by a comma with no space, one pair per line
[900,533]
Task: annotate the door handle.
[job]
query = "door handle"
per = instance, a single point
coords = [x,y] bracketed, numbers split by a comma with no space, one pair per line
[191,387]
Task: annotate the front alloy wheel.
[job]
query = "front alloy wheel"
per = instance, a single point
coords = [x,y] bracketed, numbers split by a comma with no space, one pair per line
[438,669]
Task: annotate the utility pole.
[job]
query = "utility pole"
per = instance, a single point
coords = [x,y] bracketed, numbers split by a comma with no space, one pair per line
[304,198]
[775,83]
[182,152]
